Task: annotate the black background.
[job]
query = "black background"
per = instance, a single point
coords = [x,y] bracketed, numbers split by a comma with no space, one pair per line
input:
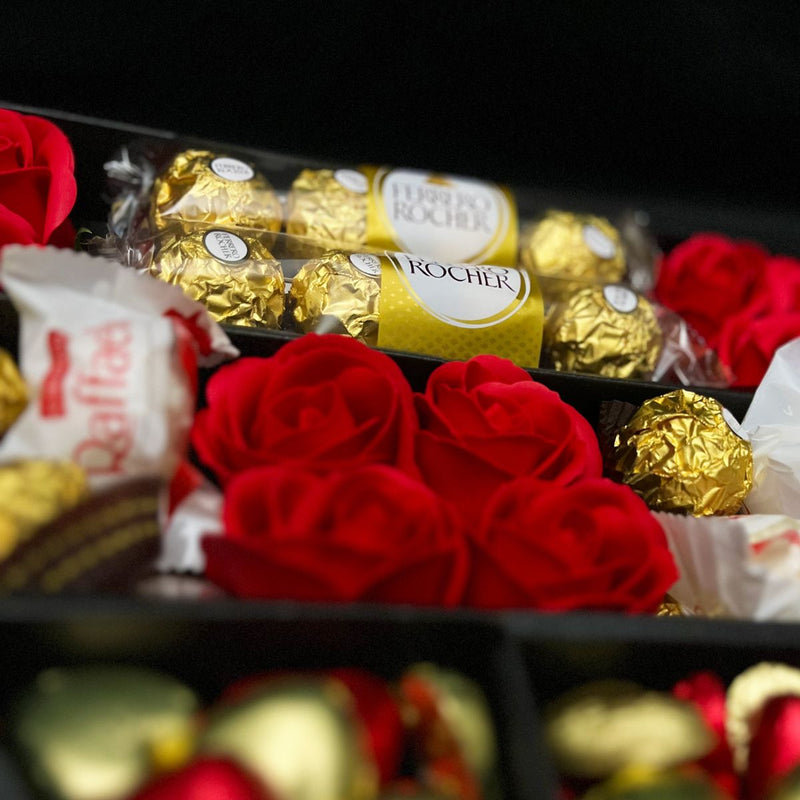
[681,99]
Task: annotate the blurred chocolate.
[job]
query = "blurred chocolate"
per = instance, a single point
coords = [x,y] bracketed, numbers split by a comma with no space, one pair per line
[233,274]
[299,734]
[683,452]
[564,249]
[199,186]
[642,783]
[33,493]
[13,392]
[101,731]
[337,293]
[604,726]
[329,206]
[603,330]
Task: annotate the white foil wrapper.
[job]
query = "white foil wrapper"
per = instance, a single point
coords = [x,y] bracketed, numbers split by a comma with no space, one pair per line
[745,567]
[103,364]
[773,425]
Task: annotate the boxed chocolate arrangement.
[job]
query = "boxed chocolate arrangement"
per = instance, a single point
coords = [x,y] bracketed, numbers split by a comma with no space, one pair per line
[586,393]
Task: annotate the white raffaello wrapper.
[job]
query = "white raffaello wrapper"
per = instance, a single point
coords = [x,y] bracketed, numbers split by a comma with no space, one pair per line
[110,372]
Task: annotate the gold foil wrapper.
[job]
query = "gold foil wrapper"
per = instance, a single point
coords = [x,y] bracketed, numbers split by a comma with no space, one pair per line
[680,454]
[299,735]
[645,783]
[232,274]
[330,295]
[203,187]
[33,493]
[747,694]
[669,608]
[324,209]
[13,392]
[571,249]
[95,732]
[603,330]
[605,726]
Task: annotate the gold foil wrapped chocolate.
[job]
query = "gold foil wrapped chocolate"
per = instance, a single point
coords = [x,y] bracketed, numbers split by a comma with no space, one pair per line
[337,293]
[199,186]
[33,493]
[603,330]
[299,735]
[645,783]
[231,273]
[680,453]
[329,206]
[604,726]
[100,731]
[13,392]
[747,694]
[570,248]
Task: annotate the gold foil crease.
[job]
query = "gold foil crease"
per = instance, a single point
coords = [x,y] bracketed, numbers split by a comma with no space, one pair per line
[680,455]
[669,608]
[33,493]
[248,293]
[329,295]
[603,726]
[559,247]
[188,192]
[299,736]
[321,209]
[89,733]
[747,694]
[13,392]
[585,333]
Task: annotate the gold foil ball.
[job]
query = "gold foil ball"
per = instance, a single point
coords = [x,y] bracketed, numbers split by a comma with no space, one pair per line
[13,392]
[34,492]
[337,293]
[203,187]
[747,694]
[329,206]
[603,330]
[680,453]
[569,247]
[232,274]
[604,726]
[644,783]
[299,735]
[97,732]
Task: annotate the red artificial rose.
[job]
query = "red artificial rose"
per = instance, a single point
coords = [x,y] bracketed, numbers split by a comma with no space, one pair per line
[592,545]
[37,181]
[708,278]
[368,533]
[747,344]
[779,290]
[327,401]
[484,422]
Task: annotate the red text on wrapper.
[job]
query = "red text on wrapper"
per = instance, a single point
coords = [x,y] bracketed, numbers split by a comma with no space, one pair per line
[51,399]
[102,389]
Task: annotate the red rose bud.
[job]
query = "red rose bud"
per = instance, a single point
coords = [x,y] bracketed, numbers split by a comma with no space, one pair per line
[485,422]
[592,545]
[708,278]
[206,779]
[774,747]
[37,181]
[707,693]
[326,402]
[370,534]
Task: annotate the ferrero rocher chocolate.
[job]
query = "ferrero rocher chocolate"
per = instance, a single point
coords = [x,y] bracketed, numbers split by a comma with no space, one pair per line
[643,783]
[570,248]
[337,293]
[603,726]
[199,186]
[300,735]
[99,731]
[233,274]
[603,330]
[13,392]
[681,454]
[747,694]
[34,492]
[329,206]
